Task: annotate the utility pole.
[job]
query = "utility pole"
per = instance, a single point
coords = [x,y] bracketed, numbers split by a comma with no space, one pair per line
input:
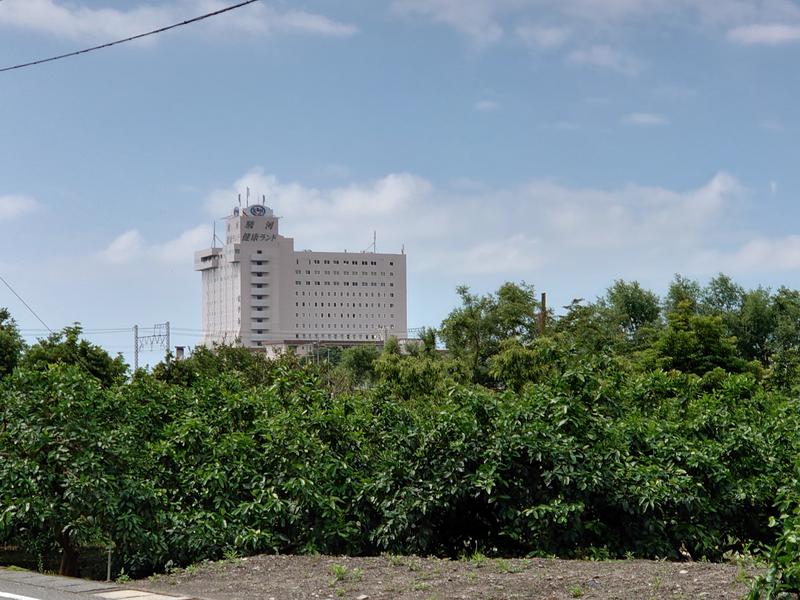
[135,348]
[159,339]
[543,313]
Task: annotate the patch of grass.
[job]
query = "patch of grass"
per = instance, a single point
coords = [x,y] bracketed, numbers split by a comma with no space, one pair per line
[477,559]
[14,568]
[421,586]
[342,573]
[576,591]
[395,560]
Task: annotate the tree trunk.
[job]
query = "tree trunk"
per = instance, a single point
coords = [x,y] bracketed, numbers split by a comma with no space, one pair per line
[69,558]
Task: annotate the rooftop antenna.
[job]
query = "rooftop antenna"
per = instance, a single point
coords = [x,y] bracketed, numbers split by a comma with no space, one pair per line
[248,196]
[240,202]
[403,249]
[214,235]
[264,199]
[374,241]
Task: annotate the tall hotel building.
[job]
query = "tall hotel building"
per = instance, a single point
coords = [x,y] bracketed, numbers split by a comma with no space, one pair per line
[259,291]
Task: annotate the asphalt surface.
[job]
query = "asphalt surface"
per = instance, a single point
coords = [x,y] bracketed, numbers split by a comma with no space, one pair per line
[27,585]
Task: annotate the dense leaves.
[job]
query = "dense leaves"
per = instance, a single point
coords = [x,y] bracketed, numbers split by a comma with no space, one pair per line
[619,430]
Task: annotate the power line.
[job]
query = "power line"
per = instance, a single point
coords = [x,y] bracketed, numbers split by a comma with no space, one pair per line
[129,39]
[33,312]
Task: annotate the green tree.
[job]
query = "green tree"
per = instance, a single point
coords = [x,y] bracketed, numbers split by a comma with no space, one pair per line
[67,348]
[695,343]
[474,331]
[632,307]
[784,343]
[684,291]
[359,363]
[11,343]
[755,327]
[63,461]
[722,296]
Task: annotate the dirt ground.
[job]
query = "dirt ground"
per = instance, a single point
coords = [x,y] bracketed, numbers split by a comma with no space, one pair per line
[411,577]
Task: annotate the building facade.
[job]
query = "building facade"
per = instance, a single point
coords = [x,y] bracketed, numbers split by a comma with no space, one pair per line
[259,291]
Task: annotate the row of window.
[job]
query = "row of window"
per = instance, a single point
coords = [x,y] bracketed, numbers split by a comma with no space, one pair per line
[335,261]
[361,326]
[348,304]
[335,336]
[363,273]
[347,283]
[343,294]
[343,315]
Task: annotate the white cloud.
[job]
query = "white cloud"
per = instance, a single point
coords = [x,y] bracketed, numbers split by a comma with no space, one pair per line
[81,22]
[645,119]
[517,231]
[487,105]
[758,255]
[595,21]
[540,36]
[478,19]
[517,254]
[605,57]
[125,248]
[771,34]
[182,248]
[14,206]
[131,246]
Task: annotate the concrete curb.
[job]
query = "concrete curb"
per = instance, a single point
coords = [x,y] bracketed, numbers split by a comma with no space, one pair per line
[98,589]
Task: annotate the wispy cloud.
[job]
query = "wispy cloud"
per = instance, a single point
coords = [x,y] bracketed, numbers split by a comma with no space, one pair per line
[644,119]
[77,21]
[771,34]
[14,206]
[487,105]
[605,57]
[475,18]
[540,36]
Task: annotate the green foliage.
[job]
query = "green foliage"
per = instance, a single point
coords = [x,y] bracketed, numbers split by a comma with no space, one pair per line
[11,343]
[474,331]
[616,433]
[67,348]
[782,579]
[632,307]
[65,463]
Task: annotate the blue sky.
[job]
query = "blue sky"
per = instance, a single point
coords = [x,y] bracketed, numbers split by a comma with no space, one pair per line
[566,144]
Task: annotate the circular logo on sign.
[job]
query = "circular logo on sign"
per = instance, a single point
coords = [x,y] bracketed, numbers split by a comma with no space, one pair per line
[258,210]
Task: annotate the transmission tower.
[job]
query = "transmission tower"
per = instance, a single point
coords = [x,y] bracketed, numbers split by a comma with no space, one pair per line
[158,339]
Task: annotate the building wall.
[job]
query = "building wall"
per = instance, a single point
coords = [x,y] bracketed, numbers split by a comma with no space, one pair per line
[258,290]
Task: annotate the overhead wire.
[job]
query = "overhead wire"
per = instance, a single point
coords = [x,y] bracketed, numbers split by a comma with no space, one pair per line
[129,39]
[33,312]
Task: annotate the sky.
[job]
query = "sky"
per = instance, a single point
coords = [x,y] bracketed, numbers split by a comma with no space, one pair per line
[563,143]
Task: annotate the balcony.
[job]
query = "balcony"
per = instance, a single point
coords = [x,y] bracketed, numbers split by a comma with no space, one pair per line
[263,301]
[207,259]
[260,280]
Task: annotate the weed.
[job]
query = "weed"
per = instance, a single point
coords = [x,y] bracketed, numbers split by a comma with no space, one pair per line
[478,559]
[342,573]
[576,591]
[657,582]
[395,560]
[123,577]
[421,586]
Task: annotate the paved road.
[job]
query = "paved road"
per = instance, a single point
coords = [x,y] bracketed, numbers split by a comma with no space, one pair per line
[26,585]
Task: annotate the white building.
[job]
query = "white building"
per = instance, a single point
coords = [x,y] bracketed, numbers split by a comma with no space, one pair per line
[259,291]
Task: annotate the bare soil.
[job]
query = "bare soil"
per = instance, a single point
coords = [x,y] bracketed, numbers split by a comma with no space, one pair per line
[411,577]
